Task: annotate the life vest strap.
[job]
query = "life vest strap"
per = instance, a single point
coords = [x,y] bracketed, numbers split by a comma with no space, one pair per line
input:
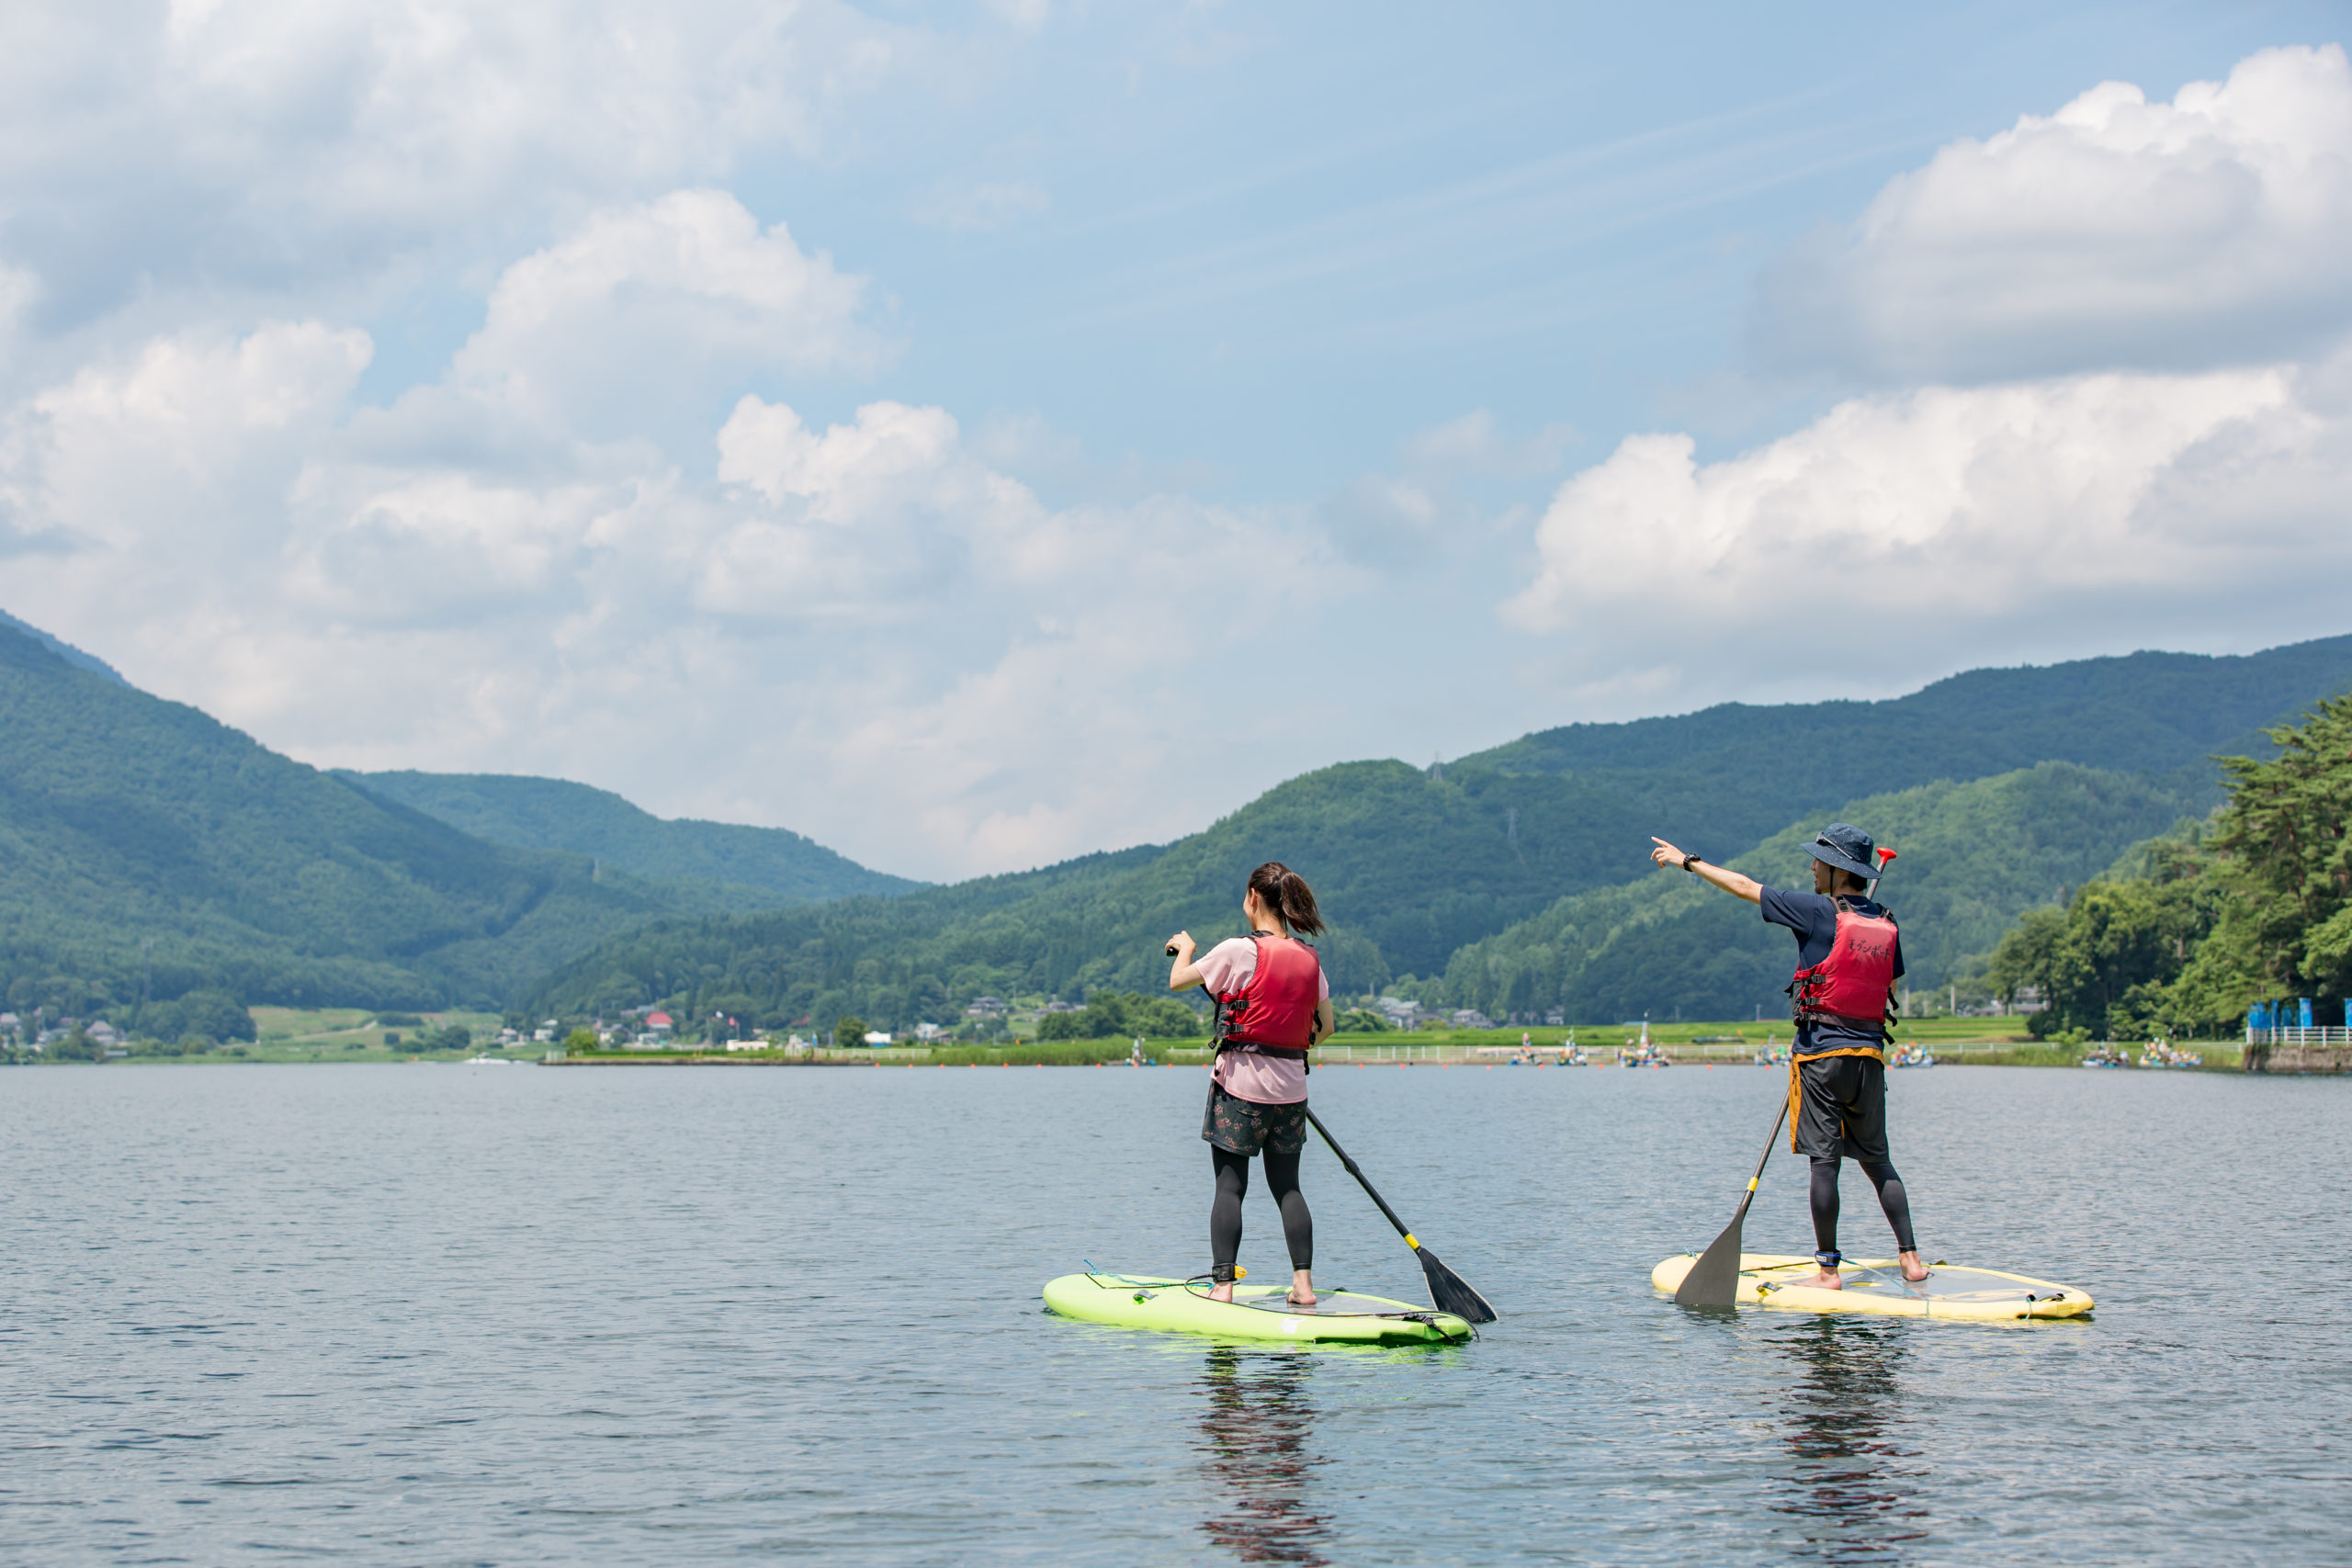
[1848,1020]
[1259,1048]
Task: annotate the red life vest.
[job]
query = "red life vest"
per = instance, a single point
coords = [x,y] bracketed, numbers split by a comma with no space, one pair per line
[1854,985]
[1274,1014]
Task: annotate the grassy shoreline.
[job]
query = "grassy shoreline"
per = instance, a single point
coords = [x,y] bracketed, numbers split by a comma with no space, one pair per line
[292,1036]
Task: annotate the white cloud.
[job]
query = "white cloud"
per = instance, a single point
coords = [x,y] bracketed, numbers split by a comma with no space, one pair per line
[267,145]
[1903,536]
[621,327]
[2211,230]
[2134,427]
[167,447]
[862,630]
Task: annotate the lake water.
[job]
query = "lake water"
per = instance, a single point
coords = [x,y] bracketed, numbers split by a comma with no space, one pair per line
[427,1315]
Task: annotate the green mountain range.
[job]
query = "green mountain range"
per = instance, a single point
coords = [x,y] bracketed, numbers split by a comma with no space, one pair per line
[1733,774]
[147,851]
[63,649]
[1974,857]
[1419,870]
[765,865]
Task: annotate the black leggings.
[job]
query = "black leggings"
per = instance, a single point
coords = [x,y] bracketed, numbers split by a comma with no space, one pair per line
[1890,1197]
[1225,1213]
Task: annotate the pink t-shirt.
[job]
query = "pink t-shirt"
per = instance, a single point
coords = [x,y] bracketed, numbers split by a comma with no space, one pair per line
[1266,1080]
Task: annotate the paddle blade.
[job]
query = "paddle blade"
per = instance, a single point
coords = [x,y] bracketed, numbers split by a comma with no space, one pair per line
[1450,1292]
[1714,1281]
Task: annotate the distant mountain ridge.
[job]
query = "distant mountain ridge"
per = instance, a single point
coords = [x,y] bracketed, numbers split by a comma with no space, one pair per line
[1974,856]
[2156,714]
[769,864]
[2144,710]
[148,851]
[63,649]
[1427,873]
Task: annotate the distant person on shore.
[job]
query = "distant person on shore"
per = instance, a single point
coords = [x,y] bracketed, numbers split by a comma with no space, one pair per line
[1273,1003]
[1849,957]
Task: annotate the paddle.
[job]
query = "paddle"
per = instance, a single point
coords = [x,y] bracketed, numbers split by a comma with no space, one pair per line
[1448,1291]
[1714,1281]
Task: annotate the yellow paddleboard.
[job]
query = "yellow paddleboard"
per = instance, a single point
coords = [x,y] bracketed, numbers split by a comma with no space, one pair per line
[1877,1285]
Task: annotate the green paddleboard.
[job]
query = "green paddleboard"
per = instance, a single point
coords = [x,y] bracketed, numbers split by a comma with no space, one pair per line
[1256,1312]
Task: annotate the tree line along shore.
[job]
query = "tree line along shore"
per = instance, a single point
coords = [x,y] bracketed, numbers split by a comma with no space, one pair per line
[290,1036]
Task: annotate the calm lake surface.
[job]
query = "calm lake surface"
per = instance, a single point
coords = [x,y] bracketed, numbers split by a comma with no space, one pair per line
[427,1315]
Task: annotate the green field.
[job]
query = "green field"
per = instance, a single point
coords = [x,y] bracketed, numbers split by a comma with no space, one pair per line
[354,1034]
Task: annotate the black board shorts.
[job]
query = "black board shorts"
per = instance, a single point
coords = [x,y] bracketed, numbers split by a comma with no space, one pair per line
[1842,1112]
[1245,1127]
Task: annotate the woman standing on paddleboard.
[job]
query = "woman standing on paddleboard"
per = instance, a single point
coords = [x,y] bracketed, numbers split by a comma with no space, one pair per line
[1272,1004]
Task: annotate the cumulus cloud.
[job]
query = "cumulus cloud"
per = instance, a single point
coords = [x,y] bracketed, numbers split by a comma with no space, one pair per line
[860,628]
[2116,233]
[1903,534]
[167,445]
[621,326]
[273,144]
[2120,417]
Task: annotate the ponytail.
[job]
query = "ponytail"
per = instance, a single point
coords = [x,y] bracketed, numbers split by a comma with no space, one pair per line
[1285,892]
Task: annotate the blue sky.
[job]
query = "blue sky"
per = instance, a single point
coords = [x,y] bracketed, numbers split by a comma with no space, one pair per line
[1261,252]
[923,427]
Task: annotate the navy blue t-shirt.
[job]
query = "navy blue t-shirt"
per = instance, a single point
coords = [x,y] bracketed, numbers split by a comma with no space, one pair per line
[1813,918]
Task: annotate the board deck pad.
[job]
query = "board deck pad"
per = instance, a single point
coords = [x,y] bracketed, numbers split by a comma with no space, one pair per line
[1327,1304]
[1257,1312]
[1877,1286]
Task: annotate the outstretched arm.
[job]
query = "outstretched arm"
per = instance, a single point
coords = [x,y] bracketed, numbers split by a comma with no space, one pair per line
[1730,882]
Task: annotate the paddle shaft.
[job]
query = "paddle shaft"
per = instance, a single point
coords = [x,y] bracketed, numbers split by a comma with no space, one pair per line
[1370,1190]
[1749,1196]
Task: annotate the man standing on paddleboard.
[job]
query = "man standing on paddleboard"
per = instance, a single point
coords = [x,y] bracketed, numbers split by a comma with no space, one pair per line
[1849,957]
[1273,1003]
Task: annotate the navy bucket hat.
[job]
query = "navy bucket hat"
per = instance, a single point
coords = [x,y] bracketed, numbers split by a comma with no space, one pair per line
[1846,847]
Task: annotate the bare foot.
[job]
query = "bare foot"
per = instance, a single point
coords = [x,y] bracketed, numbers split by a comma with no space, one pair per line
[1913,1270]
[1221,1292]
[1824,1280]
[1302,1289]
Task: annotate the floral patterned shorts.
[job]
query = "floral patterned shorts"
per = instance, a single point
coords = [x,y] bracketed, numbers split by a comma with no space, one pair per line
[1244,1127]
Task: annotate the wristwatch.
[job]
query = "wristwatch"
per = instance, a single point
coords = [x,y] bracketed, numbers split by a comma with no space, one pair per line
[1690,861]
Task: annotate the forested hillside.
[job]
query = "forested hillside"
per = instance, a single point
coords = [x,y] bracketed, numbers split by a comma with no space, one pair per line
[753,866]
[1972,857]
[2186,932]
[147,851]
[1734,773]
[63,649]
[151,852]
[1413,866]
[1407,866]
